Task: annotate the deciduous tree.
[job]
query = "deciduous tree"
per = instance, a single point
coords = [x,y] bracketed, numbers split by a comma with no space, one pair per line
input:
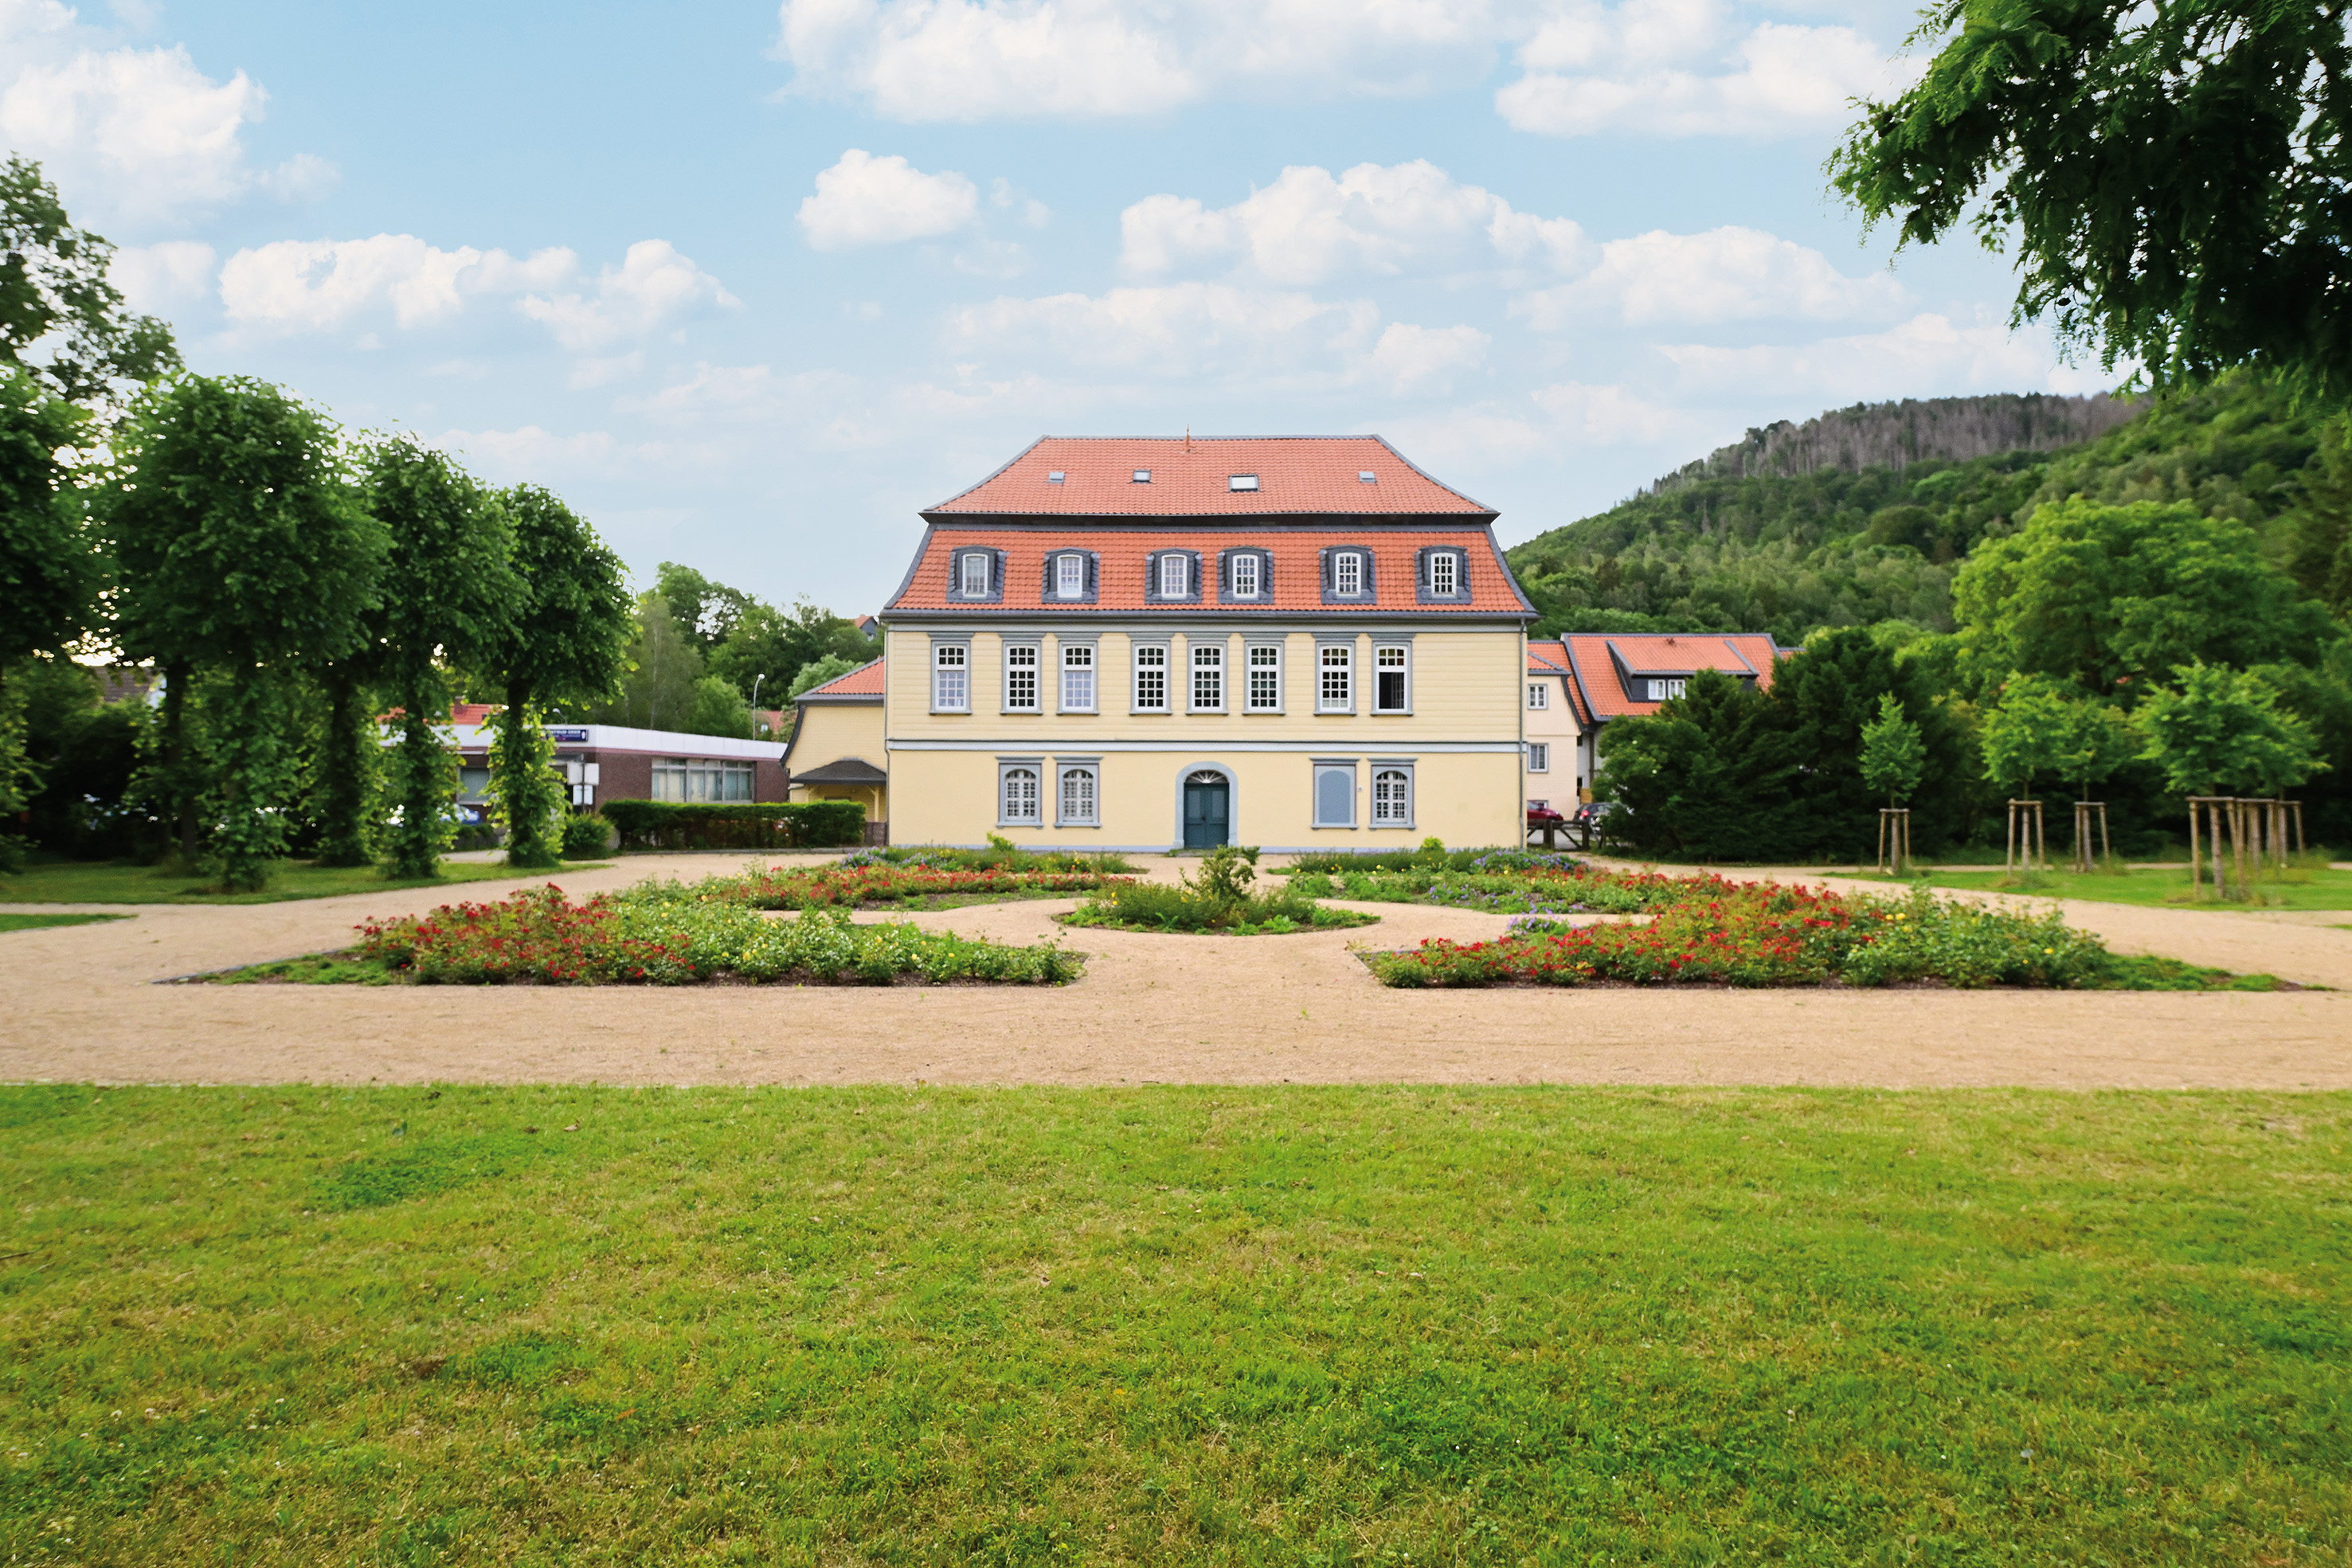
[62,321]
[2219,731]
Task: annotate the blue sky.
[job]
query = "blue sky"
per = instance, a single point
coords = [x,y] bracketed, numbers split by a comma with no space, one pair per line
[749,285]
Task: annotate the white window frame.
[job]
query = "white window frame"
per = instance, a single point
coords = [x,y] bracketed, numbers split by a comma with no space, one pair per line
[1403,664]
[1065,771]
[965,564]
[1321,766]
[1138,664]
[1348,574]
[1251,668]
[1175,575]
[1539,695]
[1667,689]
[1036,789]
[1070,575]
[1451,561]
[1234,564]
[1078,659]
[952,675]
[1384,774]
[669,778]
[1344,667]
[1204,657]
[1538,756]
[1013,647]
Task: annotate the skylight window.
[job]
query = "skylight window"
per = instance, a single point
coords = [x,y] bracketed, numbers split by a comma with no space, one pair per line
[1055,478]
[1241,482]
[1143,475]
[1366,477]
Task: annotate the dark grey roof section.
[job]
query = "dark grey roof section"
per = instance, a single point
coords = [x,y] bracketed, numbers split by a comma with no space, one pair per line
[846,770]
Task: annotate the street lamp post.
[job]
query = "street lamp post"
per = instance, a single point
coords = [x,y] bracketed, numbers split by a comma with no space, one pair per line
[755,700]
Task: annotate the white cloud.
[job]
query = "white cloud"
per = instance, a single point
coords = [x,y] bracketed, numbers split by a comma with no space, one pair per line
[1611,416]
[1309,226]
[1927,356]
[540,457]
[653,287]
[1182,330]
[318,285]
[865,200]
[157,276]
[1729,274]
[950,59]
[136,136]
[1670,67]
[1409,359]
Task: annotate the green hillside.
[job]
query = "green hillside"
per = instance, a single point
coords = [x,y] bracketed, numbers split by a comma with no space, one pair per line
[1787,552]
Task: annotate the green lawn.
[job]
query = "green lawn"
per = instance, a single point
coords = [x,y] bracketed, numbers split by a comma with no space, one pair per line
[39,921]
[2320,888]
[116,881]
[1293,1325]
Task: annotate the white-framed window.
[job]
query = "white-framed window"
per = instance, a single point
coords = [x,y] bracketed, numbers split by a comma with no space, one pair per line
[1445,572]
[1538,696]
[1208,676]
[1070,576]
[1539,756]
[1335,678]
[669,777]
[1265,677]
[1175,575]
[702,778]
[1335,794]
[973,572]
[1143,475]
[1077,677]
[950,677]
[1078,795]
[1391,796]
[1241,481]
[1151,677]
[1021,677]
[1665,691]
[1391,677]
[1244,568]
[1348,573]
[1017,800]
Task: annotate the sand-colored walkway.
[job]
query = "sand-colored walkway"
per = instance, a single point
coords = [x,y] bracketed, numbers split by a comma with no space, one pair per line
[80,1006]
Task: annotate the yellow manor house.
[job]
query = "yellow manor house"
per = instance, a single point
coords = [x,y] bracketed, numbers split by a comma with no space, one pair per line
[1136,645]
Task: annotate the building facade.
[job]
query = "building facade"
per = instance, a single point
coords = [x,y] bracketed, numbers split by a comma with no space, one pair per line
[1293,642]
[615,762]
[1605,676]
[837,749]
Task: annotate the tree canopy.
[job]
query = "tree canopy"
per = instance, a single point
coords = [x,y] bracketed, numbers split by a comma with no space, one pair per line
[48,559]
[2221,731]
[2170,175]
[60,320]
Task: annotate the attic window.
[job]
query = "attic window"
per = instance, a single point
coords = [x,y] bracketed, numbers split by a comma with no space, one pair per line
[1143,475]
[1055,477]
[1366,477]
[1242,482]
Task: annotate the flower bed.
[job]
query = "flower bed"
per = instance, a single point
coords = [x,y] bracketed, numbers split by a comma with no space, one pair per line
[872,883]
[668,935]
[1218,901]
[1503,883]
[1710,931]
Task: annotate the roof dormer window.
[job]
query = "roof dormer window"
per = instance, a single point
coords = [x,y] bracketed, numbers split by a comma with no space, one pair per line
[974,572]
[1069,576]
[1055,477]
[1241,482]
[1143,475]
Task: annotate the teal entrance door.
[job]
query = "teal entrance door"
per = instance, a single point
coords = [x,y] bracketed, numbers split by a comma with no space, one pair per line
[1208,810]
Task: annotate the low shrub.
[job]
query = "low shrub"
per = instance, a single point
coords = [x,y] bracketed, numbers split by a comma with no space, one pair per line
[696,825]
[1218,898]
[1538,884]
[853,884]
[586,836]
[1000,855]
[1426,858]
[667,933]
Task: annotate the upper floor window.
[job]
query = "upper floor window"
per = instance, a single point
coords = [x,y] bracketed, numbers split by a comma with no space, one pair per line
[1391,691]
[1265,677]
[1245,569]
[972,575]
[1175,574]
[1077,677]
[951,677]
[1348,573]
[1664,691]
[1335,667]
[1208,675]
[1539,695]
[1539,756]
[1151,677]
[1445,572]
[1021,676]
[1069,576]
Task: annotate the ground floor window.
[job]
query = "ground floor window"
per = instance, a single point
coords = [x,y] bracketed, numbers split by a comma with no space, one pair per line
[1391,797]
[1335,794]
[1018,794]
[1078,786]
[702,778]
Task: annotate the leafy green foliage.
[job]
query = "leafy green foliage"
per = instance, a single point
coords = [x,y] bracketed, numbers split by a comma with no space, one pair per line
[692,825]
[816,672]
[718,708]
[350,772]
[661,665]
[49,566]
[1893,756]
[2169,177]
[771,647]
[2026,733]
[706,612]
[531,794]
[62,321]
[2220,732]
[587,835]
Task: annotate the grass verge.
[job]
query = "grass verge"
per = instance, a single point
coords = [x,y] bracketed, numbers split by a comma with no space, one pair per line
[37,922]
[1299,1325]
[82,882]
[2320,888]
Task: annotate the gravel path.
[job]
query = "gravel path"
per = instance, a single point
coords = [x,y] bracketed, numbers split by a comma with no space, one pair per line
[1151,1009]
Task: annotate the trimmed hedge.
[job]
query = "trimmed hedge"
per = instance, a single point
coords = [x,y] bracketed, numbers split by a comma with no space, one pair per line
[693,825]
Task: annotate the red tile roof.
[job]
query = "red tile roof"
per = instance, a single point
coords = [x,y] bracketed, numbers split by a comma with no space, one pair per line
[1604,662]
[1192,477]
[866,681]
[1297,580]
[1551,659]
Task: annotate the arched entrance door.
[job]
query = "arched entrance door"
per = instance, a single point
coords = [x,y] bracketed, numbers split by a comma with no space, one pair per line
[1208,809]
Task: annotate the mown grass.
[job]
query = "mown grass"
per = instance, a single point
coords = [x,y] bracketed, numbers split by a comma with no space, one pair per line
[2301,887]
[312,1326]
[119,882]
[37,922]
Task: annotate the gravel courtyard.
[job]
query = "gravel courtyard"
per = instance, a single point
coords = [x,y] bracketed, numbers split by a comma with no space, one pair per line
[1151,1009]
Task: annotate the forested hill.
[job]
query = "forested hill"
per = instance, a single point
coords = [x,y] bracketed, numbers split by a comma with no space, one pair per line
[1785,552]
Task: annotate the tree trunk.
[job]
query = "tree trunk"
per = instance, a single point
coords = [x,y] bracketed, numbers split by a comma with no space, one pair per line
[175,761]
[348,769]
